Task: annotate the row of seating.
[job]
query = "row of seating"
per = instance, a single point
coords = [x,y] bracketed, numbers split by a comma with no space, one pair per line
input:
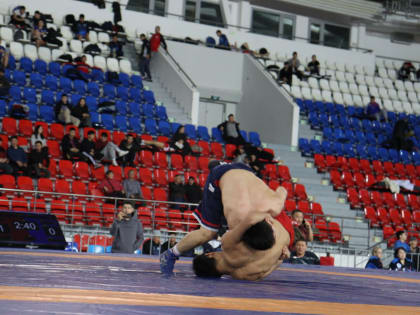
[397,217]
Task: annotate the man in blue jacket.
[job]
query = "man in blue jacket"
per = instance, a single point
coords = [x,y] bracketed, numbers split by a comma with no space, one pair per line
[17,157]
[223,41]
[401,241]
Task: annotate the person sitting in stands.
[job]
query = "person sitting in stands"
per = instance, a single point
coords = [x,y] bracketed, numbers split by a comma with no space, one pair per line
[294,63]
[81,112]
[70,146]
[402,241]
[177,191]
[38,135]
[171,242]
[5,166]
[111,187]
[18,17]
[115,47]
[63,112]
[373,110]
[4,59]
[313,66]
[414,254]
[82,29]
[39,33]
[231,132]
[156,40]
[87,147]
[129,144]
[286,74]
[400,139]
[223,40]
[109,149]
[374,261]
[17,157]
[37,17]
[4,84]
[246,50]
[152,246]
[302,228]
[193,192]
[83,69]
[39,161]
[302,256]
[132,186]
[400,262]
[179,142]
[405,70]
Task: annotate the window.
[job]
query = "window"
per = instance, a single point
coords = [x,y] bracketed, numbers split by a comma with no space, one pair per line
[315,33]
[329,35]
[272,24]
[157,7]
[204,12]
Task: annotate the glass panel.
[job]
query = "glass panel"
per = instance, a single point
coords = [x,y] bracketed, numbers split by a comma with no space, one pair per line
[190,8]
[288,28]
[336,36]
[211,14]
[265,23]
[315,33]
[159,7]
[138,5]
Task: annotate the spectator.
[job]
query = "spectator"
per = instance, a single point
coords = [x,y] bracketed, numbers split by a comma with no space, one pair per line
[39,161]
[240,155]
[87,147]
[294,63]
[127,230]
[193,191]
[302,256]
[4,84]
[82,28]
[156,40]
[313,66]
[36,18]
[81,112]
[402,241]
[286,74]
[177,191]
[109,149]
[4,58]
[246,50]
[70,146]
[17,157]
[223,40]
[375,261]
[171,242]
[145,54]
[400,136]
[179,142]
[63,112]
[5,166]
[129,144]
[263,52]
[414,254]
[18,17]
[38,135]
[231,132]
[132,186]
[302,228]
[373,110]
[152,246]
[116,47]
[83,69]
[111,187]
[39,34]
[405,70]
[400,262]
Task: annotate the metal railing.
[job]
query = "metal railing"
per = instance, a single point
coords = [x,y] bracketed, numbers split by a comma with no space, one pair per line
[179,67]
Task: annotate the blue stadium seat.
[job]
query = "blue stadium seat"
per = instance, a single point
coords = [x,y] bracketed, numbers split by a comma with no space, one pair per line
[51,82]
[164,128]
[33,111]
[299,102]
[111,79]
[64,70]
[79,87]
[134,109]
[26,64]
[135,124]
[65,85]
[151,127]
[108,121]
[337,148]
[19,77]
[360,137]
[326,147]
[137,81]
[135,95]
[174,127]
[415,156]
[216,135]
[109,91]
[161,113]
[254,138]
[122,93]
[244,135]
[54,68]
[339,109]
[339,135]
[16,93]
[121,108]
[36,80]
[405,157]
[121,123]
[203,133]
[350,136]
[3,108]
[124,79]
[328,133]
[348,150]
[355,124]
[372,152]
[149,97]
[29,94]
[394,156]
[392,117]
[362,151]
[94,117]
[12,62]
[190,131]
[40,66]
[383,154]
[93,88]
[47,97]
[315,146]
[91,103]
[148,110]
[304,147]
[376,126]
[75,98]
[46,113]
[97,75]
[370,138]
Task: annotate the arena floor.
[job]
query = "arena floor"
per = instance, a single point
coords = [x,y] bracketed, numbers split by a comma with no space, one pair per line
[51,282]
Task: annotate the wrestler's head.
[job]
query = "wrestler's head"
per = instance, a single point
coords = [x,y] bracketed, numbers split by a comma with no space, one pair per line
[205,265]
[259,236]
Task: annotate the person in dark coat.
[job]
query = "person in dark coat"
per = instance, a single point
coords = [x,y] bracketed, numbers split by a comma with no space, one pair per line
[179,142]
[375,260]
[70,146]
[177,191]
[145,55]
[129,144]
[230,131]
[39,161]
[17,157]
[400,136]
[302,256]
[152,246]
[171,242]
[127,230]
[400,262]
[81,112]
[87,148]
[117,12]
[414,254]
[193,192]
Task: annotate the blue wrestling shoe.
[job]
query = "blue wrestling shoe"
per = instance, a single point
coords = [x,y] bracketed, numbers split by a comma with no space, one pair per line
[167,262]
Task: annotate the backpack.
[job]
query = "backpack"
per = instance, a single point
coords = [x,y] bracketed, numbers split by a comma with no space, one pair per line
[92,49]
[18,111]
[107,26]
[210,42]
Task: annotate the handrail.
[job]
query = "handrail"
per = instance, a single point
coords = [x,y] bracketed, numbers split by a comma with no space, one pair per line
[180,68]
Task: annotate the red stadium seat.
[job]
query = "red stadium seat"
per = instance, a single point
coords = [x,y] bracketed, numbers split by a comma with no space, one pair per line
[359,180]
[25,128]
[203,163]
[354,164]
[331,162]
[284,173]
[19,204]
[98,174]
[216,150]
[389,168]
[347,180]
[383,216]
[191,163]
[399,170]
[270,171]
[289,188]
[160,177]
[321,225]
[65,168]
[230,150]
[406,217]
[162,139]
[160,219]
[117,137]
[416,218]
[175,220]
[146,137]
[290,205]
[378,167]
[365,166]
[25,183]
[62,186]
[316,209]
[8,181]
[93,213]
[342,163]
[334,231]
[370,180]
[5,141]
[400,201]
[410,169]
[303,205]
[320,163]
[147,193]
[395,217]
[274,184]
[54,149]
[370,214]
[300,192]
[53,168]
[177,162]
[79,188]
[161,160]
[108,211]
[146,158]
[365,198]
[38,206]
[353,198]
[117,172]
[146,176]
[45,185]
[58,208]
[81,170]
[202,179]
[4,203]
[388,231]
[57,131]
[75,212]
[9,126]
[377,200]
[413,202]
[388,199]
[145,216]
[335,178]
[160,195]
[205,148]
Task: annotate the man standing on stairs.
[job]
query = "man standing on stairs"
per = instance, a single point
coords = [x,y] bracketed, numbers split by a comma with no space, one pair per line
[145,54]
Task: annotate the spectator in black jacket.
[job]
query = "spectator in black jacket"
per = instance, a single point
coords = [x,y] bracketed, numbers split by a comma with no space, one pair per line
[405,70]
[5,166]
[400,136]
[177,191]
[39,161]
[193,191]
[400,262]
[81,112]
[171,242]
[231,132]
[313,66]
[414,254]
[286,74]
[152,246]
[129,144]
[4,84]
[18,17]
[145,54]
[115,47]
[71,146]
[302,256]
[179,142]
[87,149]
[17,157]
[63,112]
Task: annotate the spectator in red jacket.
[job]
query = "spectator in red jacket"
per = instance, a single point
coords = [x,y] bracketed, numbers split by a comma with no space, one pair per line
[156,40]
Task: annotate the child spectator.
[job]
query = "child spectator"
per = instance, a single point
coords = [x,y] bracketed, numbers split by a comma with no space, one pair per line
[373,110]
[17,157]
[156,40]
[400,262]
[81,112]
[375,260]
[39,161]
[82,28]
